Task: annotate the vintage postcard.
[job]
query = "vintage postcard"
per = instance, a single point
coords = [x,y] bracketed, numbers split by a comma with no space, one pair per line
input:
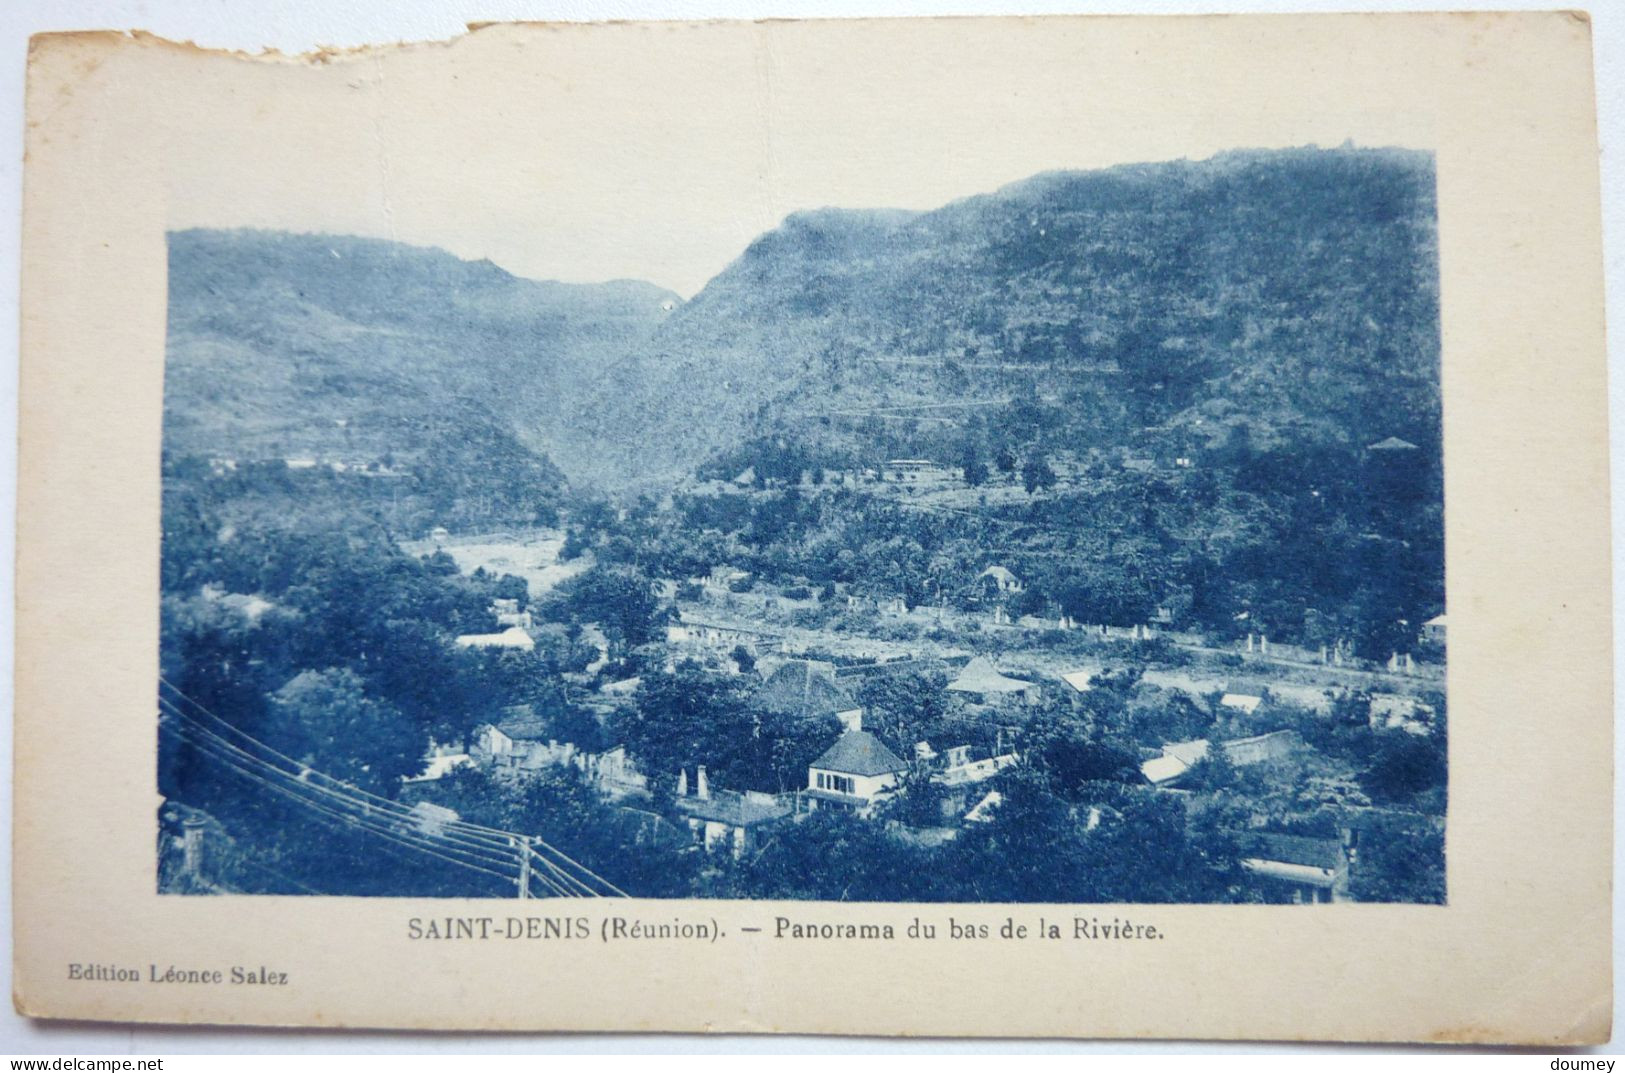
[1020,527]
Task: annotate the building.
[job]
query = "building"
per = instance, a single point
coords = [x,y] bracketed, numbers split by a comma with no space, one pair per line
[853,773]
[998,581]
[1179,757]
[981,683]
[960,770]
[1276,745]
[614,772]
[511,739]
[507,613]
[985,808]
[1433,630]
[1310,869]
[808,689]
[513,637]
[914,470]
[1393,443]
[720,639]
[726,820]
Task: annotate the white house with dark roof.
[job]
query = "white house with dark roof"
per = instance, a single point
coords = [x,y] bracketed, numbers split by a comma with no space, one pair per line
[853,773]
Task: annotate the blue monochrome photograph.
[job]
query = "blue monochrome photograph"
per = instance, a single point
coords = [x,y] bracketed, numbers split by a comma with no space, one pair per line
[1079,540]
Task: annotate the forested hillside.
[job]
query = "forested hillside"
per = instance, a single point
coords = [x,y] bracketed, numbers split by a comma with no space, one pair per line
[291,344]
[1291,291]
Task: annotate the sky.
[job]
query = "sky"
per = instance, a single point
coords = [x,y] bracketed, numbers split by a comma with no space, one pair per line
[661,151]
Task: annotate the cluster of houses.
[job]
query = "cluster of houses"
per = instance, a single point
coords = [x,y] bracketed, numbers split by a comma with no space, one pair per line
[858,772]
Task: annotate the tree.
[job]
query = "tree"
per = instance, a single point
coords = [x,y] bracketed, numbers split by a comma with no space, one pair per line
[326,720]
[1399,860]
[1075,760]
[1405,765]
[970,462]
[620,599]
[1215,771]
[902,709]
[688,717]
[1037,475]
[1005,459]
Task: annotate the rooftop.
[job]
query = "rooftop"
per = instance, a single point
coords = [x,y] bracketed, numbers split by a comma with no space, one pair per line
[521,723]
[980,676]
[1292,849]
[733,808]
[512,637]
[858,752]
[803,687]
[1079,680]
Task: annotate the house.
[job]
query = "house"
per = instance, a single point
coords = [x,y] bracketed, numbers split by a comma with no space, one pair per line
[807,688]
[910,470]
[626,687]
[726,820]
[1179,757]
[853,773]
[998,581]
[719,638]
[960,770]
[512,637]
[614,772]
[1313,870]
[439,534]
[981,683]
[512,738]
[1433,630]
[507,613]
[249,605]
[1260,748]
[1393,443]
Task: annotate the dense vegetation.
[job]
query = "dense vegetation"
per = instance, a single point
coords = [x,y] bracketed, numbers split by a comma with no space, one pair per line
[1294,292]
[1204,394]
